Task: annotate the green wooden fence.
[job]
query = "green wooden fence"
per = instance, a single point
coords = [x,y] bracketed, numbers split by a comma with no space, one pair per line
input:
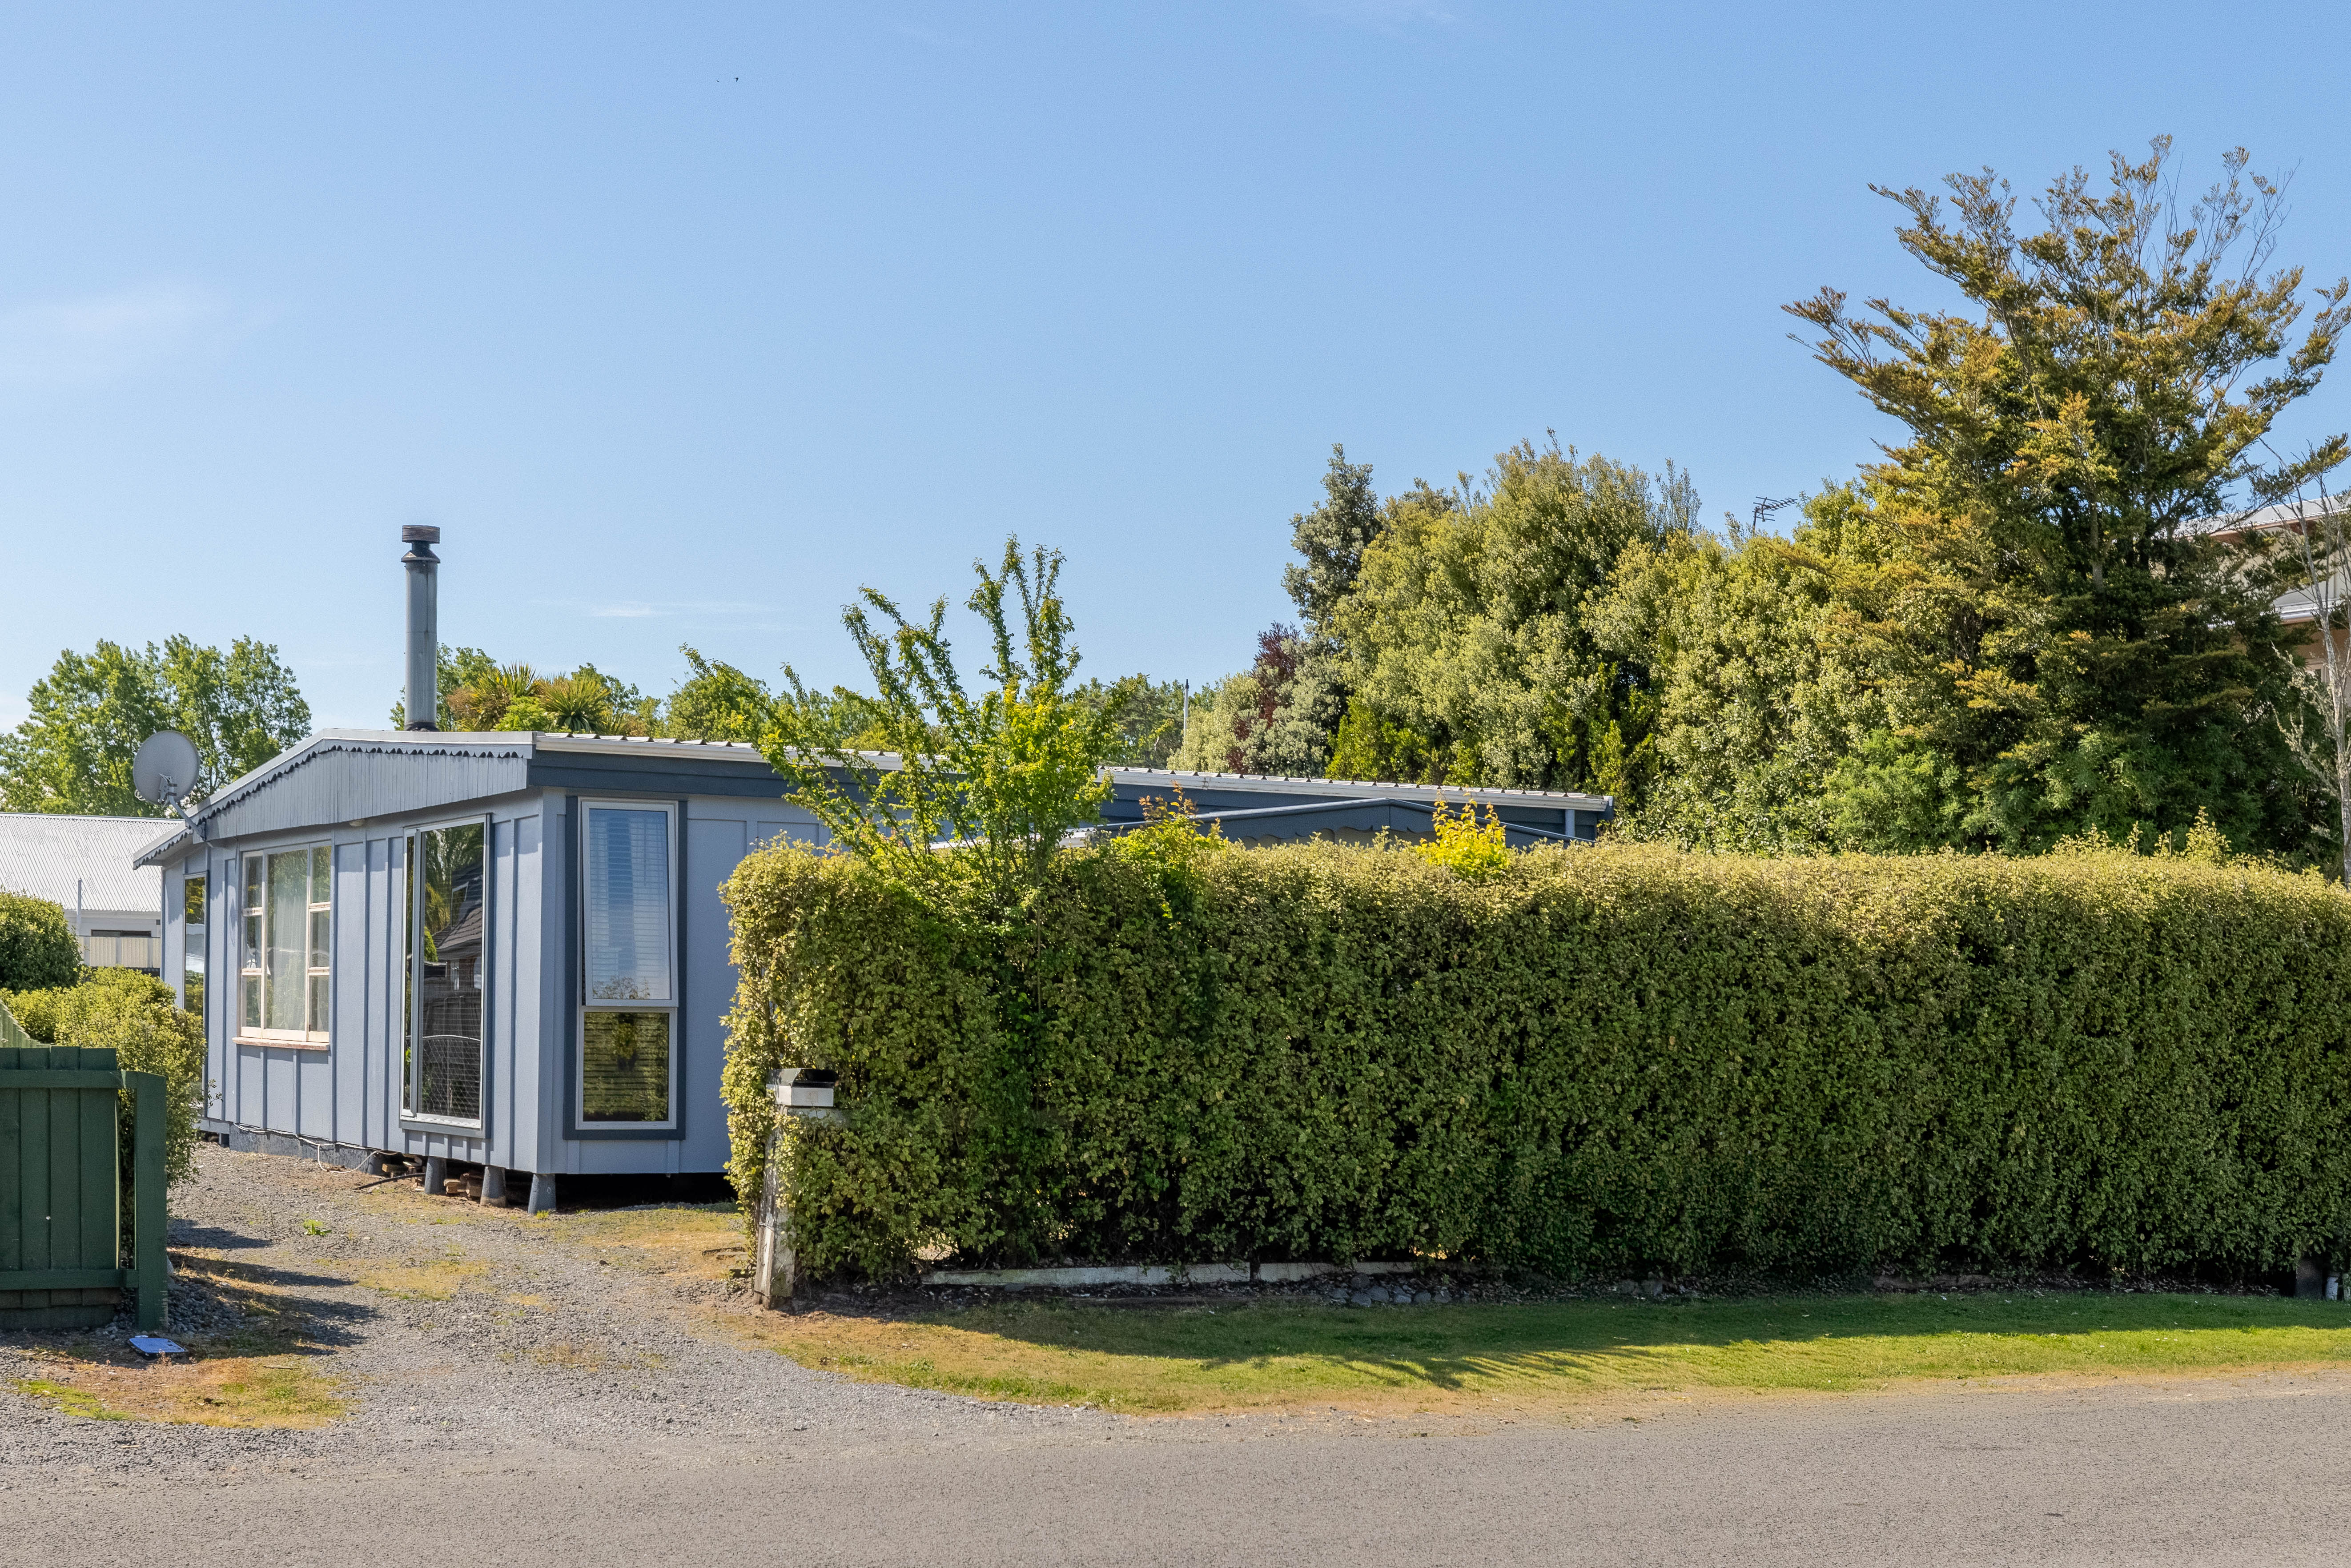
[61,1186]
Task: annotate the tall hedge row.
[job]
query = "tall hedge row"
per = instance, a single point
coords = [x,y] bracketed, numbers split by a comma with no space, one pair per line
[1599,1058]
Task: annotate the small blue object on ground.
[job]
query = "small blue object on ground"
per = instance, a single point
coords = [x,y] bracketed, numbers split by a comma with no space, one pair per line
[154,1344]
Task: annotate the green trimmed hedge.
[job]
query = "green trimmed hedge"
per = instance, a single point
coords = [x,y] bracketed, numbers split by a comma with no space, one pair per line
[36,944]
[1596,1059]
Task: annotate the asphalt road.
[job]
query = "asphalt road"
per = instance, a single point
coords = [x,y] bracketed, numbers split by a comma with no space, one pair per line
[2249,1469]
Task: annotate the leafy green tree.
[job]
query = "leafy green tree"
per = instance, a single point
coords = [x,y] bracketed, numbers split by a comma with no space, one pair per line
[92,710]
[1332,539]
[1465,639]
[1282,715]
[1752,713]
[1276,718]
[718,702]
[1150,726]
[2056,647]
[478,694]
[977,787]
[454,668]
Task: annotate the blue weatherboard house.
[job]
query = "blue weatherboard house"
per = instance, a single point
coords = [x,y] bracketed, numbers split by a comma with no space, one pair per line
[508,949]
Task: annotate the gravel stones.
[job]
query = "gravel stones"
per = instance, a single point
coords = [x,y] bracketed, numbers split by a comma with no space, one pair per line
[451,1329]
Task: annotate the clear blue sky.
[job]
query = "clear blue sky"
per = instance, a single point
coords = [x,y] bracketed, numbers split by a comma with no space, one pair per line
[684,321]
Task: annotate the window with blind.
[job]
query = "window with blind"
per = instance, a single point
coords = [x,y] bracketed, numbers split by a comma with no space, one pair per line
[628,991]
[282,976]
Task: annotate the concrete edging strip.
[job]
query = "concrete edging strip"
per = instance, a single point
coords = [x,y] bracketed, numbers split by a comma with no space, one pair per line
[1157,1274]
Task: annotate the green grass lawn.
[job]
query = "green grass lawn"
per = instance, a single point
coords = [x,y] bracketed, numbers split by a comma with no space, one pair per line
[1554,1356]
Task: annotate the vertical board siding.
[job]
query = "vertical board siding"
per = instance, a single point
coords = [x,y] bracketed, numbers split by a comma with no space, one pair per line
[519,1006]
[252,1106]
[279,1088]
[351,1092]
[347,1005]
[220,1020]
[560,920]
[715,847]
[387,868]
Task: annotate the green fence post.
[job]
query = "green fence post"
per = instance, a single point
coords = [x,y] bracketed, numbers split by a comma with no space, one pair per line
[148,1195]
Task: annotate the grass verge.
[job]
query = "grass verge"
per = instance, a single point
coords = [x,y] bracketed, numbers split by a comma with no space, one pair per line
[229,1391]
[1552,1358]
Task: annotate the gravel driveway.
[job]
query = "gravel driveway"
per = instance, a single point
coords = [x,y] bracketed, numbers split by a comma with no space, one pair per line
[554,1335]
[572,1391]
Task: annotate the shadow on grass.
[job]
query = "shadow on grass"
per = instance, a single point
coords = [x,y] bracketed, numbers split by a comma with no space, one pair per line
[1817,1342]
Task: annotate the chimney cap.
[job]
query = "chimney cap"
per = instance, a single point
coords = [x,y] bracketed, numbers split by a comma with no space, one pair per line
[419,534]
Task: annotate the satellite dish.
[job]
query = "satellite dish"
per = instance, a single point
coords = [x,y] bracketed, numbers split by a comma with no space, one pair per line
[164,770]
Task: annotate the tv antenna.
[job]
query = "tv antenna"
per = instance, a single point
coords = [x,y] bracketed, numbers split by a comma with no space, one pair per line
[164,770]
[1765,507]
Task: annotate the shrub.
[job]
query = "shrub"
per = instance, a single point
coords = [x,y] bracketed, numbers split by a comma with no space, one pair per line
[36,944]
[134,1016]
[1469,846]
[1593,1058]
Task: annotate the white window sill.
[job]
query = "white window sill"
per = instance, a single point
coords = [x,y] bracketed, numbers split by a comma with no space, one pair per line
[282,1042]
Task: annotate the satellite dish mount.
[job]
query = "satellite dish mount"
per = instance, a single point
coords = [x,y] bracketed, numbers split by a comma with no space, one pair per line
[165,771]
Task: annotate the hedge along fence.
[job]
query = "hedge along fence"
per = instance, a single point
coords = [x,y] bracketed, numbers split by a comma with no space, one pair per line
[1598,1058]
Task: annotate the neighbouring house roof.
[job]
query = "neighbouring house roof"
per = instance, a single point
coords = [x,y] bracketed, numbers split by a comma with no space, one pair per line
[2299,604]
[42,853]
[1352,788]
[1251,807]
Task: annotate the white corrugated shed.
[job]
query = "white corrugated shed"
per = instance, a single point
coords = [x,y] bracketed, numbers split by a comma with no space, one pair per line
[43,854]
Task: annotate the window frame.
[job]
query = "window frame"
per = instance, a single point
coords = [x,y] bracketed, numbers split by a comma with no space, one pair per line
[196,952]
[584,1005]
[412,1024]
[257,974]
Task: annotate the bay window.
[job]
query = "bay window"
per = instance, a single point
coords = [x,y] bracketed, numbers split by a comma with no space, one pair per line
[629,989]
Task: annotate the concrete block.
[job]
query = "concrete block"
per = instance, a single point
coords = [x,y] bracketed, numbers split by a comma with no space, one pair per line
[1291,1273]
[436,1175]
[542,1193]
[1216,1274]
[1068,1279]
[494,1186]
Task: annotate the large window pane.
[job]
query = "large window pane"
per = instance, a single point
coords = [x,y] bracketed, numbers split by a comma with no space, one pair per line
[252,957]
[192,971]
[628,905]
[624,1067]
[287,965]
[449,973]
[408,979]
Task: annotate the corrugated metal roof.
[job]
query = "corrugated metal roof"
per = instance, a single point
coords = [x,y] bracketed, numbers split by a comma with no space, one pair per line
[382,774]
[41,853]
[1355,789]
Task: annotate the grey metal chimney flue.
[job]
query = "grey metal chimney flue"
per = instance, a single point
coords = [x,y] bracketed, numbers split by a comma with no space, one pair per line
[423,697]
